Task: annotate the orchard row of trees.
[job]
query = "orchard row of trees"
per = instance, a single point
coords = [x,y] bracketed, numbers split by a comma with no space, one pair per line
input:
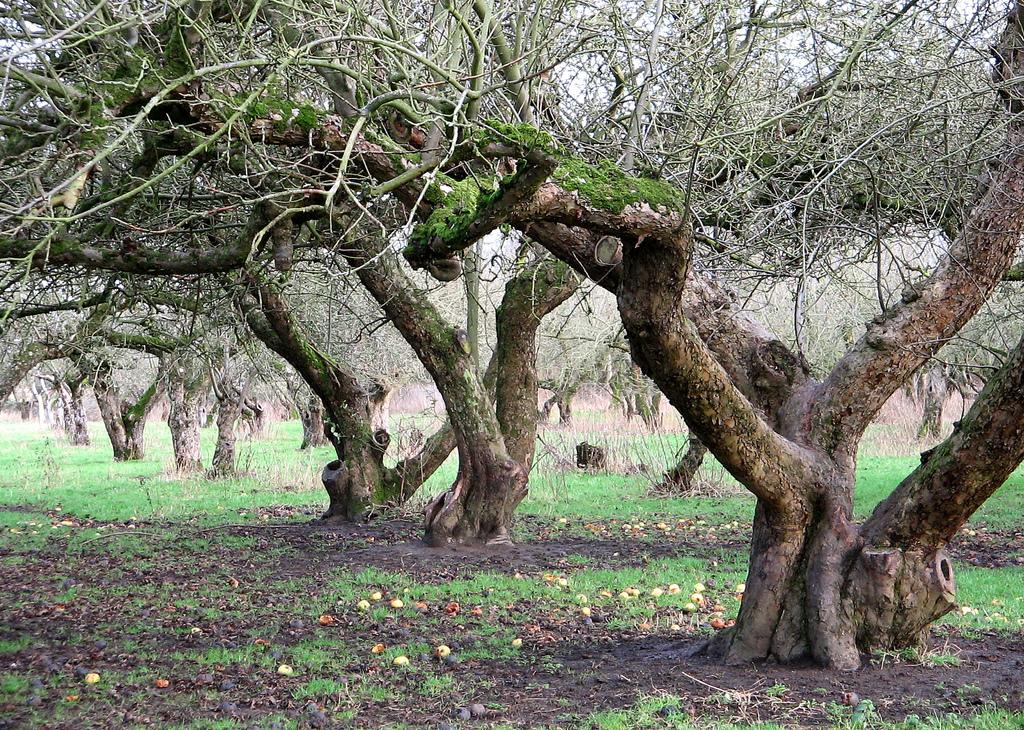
[795,209]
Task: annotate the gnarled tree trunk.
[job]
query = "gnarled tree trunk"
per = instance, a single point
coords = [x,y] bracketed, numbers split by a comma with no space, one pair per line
[494,443]
[125,424]
[185,386]
[229,386]
[357,481]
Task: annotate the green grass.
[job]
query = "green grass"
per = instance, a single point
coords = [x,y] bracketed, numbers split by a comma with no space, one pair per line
[171,626]
[37,469]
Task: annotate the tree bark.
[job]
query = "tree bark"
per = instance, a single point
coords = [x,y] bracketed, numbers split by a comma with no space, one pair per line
[679,480]
[76,425]
[230,384]
[125,423]
[934,386]
[311,413]
[531,295]
[490,483]
[357,481]
[185,381]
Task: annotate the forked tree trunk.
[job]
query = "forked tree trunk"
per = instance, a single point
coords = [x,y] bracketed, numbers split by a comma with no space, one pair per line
[312,417]
[125,424]
[254,416]
[679,480]
[494,443]
[357,481]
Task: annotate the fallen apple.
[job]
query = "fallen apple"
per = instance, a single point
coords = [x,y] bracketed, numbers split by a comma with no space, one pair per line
[741,587]
[92,678]
[327,619]
[657,592]
[162,683]
[674,589]
[396,603]
[675,627]
[581,598]
[442,651]
[400,661]
[516,643]
[697,598]
[378,648]
[717,623]
[690,607]
[363,605]
[585,610]
[376,596]
[698,588]
[285,670]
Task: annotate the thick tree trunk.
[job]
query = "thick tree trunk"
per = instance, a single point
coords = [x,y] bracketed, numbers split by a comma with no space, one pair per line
[814,590]
[491,483]
[183,386]
[125,425]
[679,480]
[312,417]
[934,386]
[229,389]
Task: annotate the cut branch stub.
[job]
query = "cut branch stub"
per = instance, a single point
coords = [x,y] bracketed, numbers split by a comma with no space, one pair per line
[895,595]
[381,439]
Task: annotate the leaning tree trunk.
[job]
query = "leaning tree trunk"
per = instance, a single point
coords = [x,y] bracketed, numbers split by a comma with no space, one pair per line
[312,417]
[183,417]
[491,480]
[679,480]
[934,386]
[357,481]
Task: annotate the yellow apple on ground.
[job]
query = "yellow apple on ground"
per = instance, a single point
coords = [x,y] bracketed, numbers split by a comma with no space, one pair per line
[400,661]
[657,592]
[286,670]
[92,678]
[690,607]
[585,610]
[516,643]
[363,605]
[397,603]
[376,596]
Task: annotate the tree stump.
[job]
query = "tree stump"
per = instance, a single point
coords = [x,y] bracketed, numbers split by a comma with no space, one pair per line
[589,456]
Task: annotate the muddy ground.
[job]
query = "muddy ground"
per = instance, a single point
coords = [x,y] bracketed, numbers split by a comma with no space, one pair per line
[97,608]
